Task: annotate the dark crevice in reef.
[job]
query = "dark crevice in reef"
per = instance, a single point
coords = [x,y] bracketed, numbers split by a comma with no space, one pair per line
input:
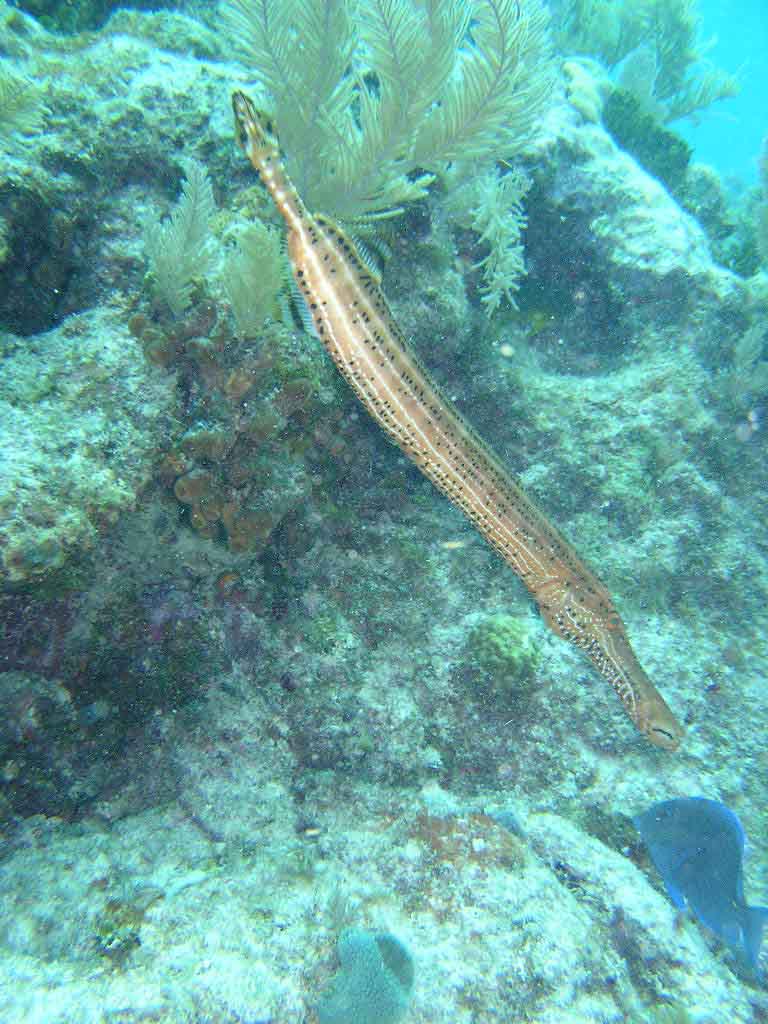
[85,16]
[40,253]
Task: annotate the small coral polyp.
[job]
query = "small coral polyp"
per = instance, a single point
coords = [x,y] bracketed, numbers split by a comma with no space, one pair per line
[502,656]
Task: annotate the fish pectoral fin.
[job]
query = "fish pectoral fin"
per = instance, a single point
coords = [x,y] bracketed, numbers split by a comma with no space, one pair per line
[675,895]
[731,932]
[303,310]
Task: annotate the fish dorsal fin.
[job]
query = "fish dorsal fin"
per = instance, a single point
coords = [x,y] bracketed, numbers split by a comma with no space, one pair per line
[368,257]
[355,249]
[374,249]
[302,309]
[371,244]
[290,298]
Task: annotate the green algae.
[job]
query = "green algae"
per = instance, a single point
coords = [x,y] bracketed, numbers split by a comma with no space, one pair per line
[667,1013]
[660,151]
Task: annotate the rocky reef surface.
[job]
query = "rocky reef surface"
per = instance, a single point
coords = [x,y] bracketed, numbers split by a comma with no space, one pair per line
[260,683]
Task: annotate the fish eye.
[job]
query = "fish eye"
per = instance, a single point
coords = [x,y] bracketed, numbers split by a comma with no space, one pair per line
[665,738]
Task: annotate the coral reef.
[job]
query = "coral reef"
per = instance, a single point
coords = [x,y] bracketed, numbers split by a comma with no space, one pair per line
[75,190]
[502,655]
[254,671]
[39,731]
[260,413]
[84,15]
[731,222]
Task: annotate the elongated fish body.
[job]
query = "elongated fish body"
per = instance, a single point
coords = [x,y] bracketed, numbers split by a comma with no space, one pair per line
[351,317]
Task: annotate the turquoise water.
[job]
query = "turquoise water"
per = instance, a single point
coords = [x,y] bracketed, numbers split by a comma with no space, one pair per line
[730,137]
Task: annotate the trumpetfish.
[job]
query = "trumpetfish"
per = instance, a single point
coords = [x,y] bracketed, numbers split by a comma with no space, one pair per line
[350,315]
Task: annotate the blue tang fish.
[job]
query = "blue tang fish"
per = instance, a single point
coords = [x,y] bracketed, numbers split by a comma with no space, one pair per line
[697,846]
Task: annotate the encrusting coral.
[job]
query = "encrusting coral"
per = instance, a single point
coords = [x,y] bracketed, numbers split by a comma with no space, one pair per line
[81,426]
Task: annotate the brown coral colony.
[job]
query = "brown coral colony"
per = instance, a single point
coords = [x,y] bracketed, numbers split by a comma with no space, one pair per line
[220,469]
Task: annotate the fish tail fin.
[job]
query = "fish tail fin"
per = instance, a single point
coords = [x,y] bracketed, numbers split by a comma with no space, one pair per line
[755,919]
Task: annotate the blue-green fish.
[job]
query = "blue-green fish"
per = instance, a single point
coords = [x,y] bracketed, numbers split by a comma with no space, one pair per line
[697,846]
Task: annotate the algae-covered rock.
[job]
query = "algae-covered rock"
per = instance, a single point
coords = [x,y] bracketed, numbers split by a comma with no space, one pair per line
[81,16]
[76,178]
[47,764]
[622,258]
[82,417]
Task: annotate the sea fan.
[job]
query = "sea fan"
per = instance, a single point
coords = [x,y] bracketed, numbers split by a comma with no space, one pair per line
[373,100]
